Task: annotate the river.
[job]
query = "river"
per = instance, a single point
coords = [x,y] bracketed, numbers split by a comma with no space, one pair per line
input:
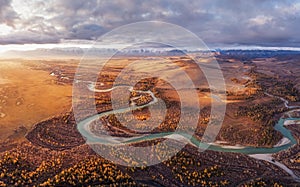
[261,153]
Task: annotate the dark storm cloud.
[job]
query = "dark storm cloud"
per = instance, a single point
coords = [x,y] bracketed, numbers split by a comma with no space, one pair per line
[253,22]
[86,31]
[27,37]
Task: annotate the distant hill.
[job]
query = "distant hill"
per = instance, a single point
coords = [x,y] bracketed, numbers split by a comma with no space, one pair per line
[257,53]
[76,52]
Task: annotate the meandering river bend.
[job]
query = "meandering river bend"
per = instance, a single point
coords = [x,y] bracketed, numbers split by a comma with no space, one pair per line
[84,128]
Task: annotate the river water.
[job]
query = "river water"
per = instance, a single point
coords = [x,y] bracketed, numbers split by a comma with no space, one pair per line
[261,153]
[83,128]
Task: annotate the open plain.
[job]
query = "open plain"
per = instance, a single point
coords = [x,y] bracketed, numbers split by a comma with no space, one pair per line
[40,134]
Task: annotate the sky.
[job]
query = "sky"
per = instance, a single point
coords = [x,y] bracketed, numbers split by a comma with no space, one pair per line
[273,23]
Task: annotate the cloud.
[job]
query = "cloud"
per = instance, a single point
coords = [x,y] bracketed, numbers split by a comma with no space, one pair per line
[261,22]
[27,37]
[86,31]
[7,14]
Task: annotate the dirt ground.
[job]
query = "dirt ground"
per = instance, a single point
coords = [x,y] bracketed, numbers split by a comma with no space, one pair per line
[28,96]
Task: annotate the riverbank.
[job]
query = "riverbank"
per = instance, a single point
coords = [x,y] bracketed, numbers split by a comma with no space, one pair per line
[269,158]
[283,141]
[291,122]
